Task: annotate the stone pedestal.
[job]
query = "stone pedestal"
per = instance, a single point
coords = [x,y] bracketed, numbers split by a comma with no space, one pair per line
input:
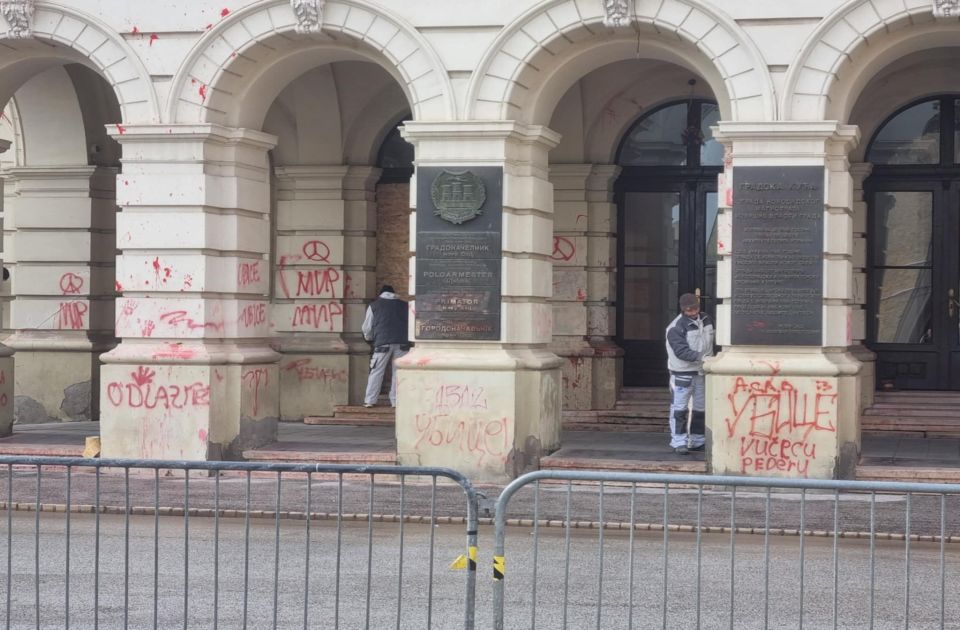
[325,262]
[789,410]
[64,219]
[194,376]
[490,409]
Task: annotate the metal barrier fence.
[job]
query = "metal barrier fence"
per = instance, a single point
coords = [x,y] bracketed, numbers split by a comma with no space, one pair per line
[85,545]
[683,551]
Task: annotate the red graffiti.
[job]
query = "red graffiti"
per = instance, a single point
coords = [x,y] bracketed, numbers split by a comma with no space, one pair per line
[247,274]
[316,251]
[175,318]
[144,393]
[255,379]
[307,372]
[174,351]
[153,37]
[70,284]
[253,315]
[774,420]
[118,286]
[147,329]
[121,129]
[187,281]
[135,30]
[143,375]
[318,283]
[318,316]
[224,12]
[203,93]
[71,315]
[563,248]
[451,397]
[477,438]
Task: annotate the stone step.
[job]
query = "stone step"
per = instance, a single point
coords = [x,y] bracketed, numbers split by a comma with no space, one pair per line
[289,452]
[914,474]
[379,410]
[644,394]
[354,420]
[913,398]
[915,412]
[684,466]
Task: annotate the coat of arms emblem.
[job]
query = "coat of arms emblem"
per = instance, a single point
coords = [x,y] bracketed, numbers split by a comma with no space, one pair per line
[458,196]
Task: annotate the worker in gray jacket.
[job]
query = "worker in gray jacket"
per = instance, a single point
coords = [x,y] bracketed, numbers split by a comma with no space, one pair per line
[689,341]
[385,325]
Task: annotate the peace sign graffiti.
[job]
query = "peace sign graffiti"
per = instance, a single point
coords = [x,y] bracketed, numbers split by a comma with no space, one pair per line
[563,248]
[316,251]
[70,284]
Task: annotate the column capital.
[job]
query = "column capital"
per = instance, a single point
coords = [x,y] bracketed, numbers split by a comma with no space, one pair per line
[794,141]
[860,171]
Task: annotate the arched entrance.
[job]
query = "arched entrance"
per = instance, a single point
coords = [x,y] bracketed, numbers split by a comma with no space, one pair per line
[667,200]
[913,198]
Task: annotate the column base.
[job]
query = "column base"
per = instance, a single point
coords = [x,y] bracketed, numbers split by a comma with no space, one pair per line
[191,411]
[57,376]
[488,413]
[591,373]
[783,412]
[6,390]
[314,377]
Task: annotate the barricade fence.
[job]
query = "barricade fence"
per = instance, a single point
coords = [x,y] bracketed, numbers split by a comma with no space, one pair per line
[634,550]
[161,544]
[156,544]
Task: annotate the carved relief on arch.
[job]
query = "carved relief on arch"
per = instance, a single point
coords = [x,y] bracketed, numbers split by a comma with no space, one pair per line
[19,17]
[309,14]
[946,8]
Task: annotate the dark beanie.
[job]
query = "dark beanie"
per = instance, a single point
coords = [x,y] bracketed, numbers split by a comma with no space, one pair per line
[387,289]
[689,300]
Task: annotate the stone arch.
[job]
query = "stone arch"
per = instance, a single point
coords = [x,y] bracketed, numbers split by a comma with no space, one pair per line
[259,46]
[850,46]
[81,39]
[539,54]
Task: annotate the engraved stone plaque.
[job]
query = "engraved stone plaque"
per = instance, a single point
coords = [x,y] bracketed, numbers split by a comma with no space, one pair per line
[777,256]
[459,218]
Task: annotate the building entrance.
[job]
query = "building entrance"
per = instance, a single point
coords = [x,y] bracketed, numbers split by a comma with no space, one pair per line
[913,201]
[667,201]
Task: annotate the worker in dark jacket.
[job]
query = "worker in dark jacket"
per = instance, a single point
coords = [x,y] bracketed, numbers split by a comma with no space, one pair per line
[385,325]
[689,341]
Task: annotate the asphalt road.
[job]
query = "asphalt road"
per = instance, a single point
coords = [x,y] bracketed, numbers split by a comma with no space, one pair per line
[567,583]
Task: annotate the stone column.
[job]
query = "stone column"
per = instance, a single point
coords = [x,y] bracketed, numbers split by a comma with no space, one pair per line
[789,411]
[6,353]
[584,283]
[490,408]
[64,219]
[868,359]
[194,377]
[325,261]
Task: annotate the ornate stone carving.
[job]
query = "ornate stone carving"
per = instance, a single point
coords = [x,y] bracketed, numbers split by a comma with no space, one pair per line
[309,14]
[946,8]
[616,13]
[458,196]
[19,17]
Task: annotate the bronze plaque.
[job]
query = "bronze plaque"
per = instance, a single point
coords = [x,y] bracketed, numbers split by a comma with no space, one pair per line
[459,218]
[777,256]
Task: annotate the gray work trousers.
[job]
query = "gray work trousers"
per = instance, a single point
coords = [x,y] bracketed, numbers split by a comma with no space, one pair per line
[382,357]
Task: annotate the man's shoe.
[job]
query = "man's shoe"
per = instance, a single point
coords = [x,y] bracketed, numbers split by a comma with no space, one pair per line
[697,448]
[681,450]
[368,405]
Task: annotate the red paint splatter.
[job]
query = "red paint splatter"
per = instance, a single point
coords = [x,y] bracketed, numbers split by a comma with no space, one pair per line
[208,27]
[126,182]
[121,129]
[118,286]
[166,272]
[224,13]
[135,30]
[3,116]
[193,81]
[581,295]
[202,434]
[143,375]
[233,54]
[153,37]
[156,265]
[203,93]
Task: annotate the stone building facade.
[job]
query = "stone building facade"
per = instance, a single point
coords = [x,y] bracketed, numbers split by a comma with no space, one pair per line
[200,200]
